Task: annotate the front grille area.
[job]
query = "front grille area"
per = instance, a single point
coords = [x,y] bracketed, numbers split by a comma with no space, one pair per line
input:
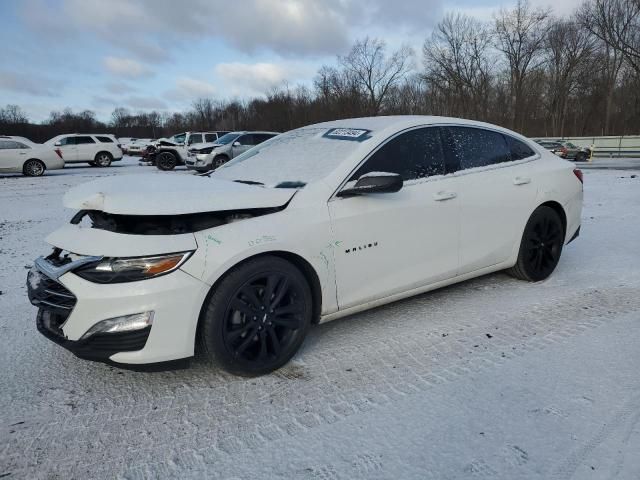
[52,297]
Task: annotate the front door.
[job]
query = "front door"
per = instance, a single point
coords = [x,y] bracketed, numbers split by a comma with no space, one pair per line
[67,146]
[389,243]
[242,144]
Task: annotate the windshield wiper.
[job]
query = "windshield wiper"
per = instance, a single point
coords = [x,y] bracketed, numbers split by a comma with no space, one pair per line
[291,184]
[249,182]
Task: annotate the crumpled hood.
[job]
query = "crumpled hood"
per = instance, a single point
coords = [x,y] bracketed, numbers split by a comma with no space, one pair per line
[171,194]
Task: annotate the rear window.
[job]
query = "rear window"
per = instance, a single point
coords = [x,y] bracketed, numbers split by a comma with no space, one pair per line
[104,139]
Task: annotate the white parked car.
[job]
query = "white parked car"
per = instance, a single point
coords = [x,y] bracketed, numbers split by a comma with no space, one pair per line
[317,223]
[18,155]
[98,150]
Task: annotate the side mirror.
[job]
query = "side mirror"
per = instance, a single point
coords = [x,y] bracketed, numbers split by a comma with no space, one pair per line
[237,144]
[374,182]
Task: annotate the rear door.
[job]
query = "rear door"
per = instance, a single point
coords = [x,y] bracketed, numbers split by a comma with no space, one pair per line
[85,148]
[11,156]
[498,193]
[68,148]
[389,243]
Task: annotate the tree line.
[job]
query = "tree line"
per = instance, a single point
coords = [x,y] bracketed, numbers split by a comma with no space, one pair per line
[526,69]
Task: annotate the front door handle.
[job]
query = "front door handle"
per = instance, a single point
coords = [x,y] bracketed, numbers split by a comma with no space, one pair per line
[521,180]
[441,196]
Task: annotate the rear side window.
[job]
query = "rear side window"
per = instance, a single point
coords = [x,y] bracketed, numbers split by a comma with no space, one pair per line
[412,155]
[7,144]
[210,137]
[105,139]
[262,137]
[476,147]
[195,138]
[84,140]
[519,150]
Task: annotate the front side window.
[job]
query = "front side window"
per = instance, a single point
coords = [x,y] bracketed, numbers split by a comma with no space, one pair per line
[210,137]
[518,149]
[84,140]
[476,147]
[247,140]
[105,139]
[228,138]
[67,141]
[412,155]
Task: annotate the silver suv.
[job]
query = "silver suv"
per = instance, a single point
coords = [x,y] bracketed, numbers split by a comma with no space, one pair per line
[209,156]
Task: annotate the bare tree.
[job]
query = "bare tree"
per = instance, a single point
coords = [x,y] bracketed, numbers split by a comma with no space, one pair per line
[616,22]
[12,115]
[569,49]
[520,36]
[375,73]
[458,65]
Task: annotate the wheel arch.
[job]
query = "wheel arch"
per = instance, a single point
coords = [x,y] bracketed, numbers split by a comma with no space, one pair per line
[101,152]
[557,207]
[298,261]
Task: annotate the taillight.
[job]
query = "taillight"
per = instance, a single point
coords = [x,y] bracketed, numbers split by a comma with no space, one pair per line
[564,150]
[59,152]
[578,173]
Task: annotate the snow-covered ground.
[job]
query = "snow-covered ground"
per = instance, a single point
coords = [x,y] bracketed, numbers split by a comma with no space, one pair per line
[491,378]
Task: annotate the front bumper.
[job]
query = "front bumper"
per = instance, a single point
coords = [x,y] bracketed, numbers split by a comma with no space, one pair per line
[201,163]
[69,306]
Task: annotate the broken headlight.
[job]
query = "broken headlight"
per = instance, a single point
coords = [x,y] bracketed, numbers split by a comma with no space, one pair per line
[120,270]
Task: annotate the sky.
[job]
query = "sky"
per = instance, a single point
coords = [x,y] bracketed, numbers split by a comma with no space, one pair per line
[164,54]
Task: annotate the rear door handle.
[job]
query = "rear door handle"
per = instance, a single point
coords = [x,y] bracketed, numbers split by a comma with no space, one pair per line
[441,196]
[521,180]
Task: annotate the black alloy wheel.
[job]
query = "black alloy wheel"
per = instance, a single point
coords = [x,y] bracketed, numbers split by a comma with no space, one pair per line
[541,246]
[166,161]
[257,317]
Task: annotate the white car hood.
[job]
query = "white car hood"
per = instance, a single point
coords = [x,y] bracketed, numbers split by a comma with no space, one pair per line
[171,194]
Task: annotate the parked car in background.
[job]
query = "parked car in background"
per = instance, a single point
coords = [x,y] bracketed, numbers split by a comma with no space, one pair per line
[209,156]
[28,158]
[317,223]
[173,151]
[566,150]
[98,150]
[137,146]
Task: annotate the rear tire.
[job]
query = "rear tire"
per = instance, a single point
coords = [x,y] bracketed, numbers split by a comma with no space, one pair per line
[540,247]
[166,161]
[103,159]
[33,168]
[257,317]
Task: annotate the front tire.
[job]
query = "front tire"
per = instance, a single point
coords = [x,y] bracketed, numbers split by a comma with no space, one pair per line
[103,159]
[33,168]
[257,317]
[219,161]
[166,161]
[540,247]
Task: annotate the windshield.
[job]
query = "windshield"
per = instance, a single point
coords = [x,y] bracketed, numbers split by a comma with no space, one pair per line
[227,139]
[294,158]
[179,138]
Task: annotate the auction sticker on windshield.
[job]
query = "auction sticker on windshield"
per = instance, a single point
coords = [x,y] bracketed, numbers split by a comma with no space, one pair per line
[356,134]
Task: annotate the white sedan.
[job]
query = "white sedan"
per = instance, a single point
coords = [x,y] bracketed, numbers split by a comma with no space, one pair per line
[314,224]
[22,156]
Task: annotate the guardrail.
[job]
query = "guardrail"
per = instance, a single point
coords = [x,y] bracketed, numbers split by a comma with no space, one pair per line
[607,147]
